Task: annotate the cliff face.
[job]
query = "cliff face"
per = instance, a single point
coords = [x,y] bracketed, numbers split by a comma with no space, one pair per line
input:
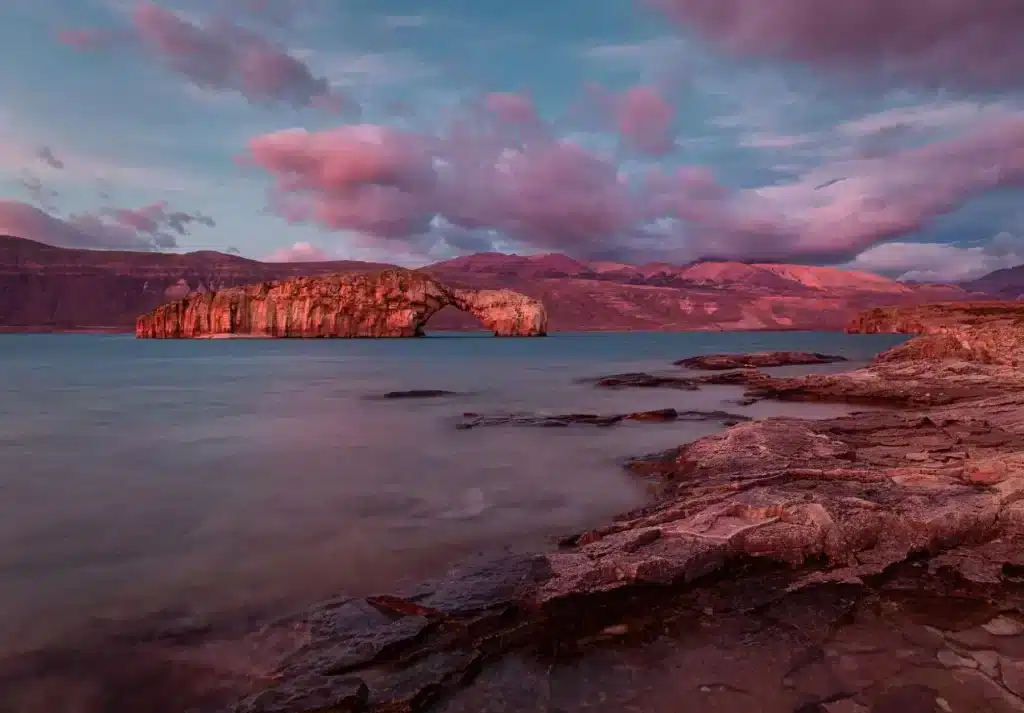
[391,303]
[935,318]
[983,332]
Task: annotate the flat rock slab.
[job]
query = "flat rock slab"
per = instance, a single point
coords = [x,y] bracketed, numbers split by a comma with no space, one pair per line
[412,394]
[638,380]
[474,420]
[756,360]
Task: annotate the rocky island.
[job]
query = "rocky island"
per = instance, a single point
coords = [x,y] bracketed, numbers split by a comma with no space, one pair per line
[870,563]
[389,303]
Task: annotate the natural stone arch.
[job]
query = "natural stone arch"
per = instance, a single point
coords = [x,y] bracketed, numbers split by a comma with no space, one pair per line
[391,303]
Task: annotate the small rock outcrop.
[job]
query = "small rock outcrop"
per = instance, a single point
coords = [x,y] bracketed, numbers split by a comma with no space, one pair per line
[390,303]
[756,360]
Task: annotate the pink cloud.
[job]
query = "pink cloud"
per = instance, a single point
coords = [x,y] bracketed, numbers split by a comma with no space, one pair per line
[941,262]
[642,116]
[964,42]
[147,228]
[646,121]
[490,185]
[515,109]
[299,252]
[155,218]
[358,177]
[391,185]
[833,217]
[219,55]
[551,194]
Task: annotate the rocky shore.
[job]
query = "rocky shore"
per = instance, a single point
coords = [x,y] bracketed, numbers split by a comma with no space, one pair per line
[872,563]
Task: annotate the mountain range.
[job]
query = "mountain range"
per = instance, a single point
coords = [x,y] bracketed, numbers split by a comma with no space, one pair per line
[47,288]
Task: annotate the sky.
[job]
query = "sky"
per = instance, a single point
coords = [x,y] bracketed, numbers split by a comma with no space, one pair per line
[884,135]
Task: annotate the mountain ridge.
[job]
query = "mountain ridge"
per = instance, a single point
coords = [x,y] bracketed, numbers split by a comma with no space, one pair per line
[44,287]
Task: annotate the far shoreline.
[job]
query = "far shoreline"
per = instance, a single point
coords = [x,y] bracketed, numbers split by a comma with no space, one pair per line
[43,329]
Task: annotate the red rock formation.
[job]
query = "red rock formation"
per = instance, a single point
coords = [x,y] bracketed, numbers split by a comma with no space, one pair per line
[981,332]
[936,318]
[391,303]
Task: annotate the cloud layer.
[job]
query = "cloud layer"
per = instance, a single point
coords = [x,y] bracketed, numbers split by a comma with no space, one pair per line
[151,227]
[552,194]
[973,43]
[941,262]
[473,168]
[299,252]
[218,55]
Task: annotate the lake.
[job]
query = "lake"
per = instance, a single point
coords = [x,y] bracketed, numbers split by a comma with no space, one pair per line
[200,476]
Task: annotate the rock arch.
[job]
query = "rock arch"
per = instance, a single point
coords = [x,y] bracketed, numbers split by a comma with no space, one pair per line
[391,303]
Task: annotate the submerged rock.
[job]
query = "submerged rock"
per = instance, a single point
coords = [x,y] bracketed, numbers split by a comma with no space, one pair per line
[390,303]
[412,394]
[473,420]
[643,381]
[724,362]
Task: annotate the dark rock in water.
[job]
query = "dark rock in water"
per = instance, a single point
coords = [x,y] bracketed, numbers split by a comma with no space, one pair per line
[413,394]
[658,415]
[641,380]
[474,420]
[756,360]
[310,694]
[644,381]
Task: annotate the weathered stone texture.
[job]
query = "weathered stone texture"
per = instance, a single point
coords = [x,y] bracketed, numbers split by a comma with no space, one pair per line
[390,303]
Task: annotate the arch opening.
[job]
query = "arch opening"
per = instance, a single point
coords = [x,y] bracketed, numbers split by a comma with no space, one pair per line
[452,319]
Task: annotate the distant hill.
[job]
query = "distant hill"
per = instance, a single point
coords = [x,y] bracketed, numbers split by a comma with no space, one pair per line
[1007,283]
[49,288]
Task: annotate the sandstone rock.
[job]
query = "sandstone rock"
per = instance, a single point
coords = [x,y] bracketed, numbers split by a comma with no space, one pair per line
[1012,672]
[1004,626]
[391,303]
[936,318]
[723,362]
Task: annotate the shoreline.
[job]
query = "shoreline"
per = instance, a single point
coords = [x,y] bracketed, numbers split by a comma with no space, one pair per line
[8,329]
[784,526]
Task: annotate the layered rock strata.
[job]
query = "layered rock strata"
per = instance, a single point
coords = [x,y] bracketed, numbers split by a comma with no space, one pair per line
[937,318]
[390,303]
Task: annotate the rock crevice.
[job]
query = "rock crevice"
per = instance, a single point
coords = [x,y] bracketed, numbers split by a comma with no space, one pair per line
[390,303]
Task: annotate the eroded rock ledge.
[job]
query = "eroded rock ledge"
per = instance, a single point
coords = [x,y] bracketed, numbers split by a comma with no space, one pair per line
[390,303]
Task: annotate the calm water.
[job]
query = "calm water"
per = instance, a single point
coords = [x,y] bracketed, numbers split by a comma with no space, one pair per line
[138,476]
